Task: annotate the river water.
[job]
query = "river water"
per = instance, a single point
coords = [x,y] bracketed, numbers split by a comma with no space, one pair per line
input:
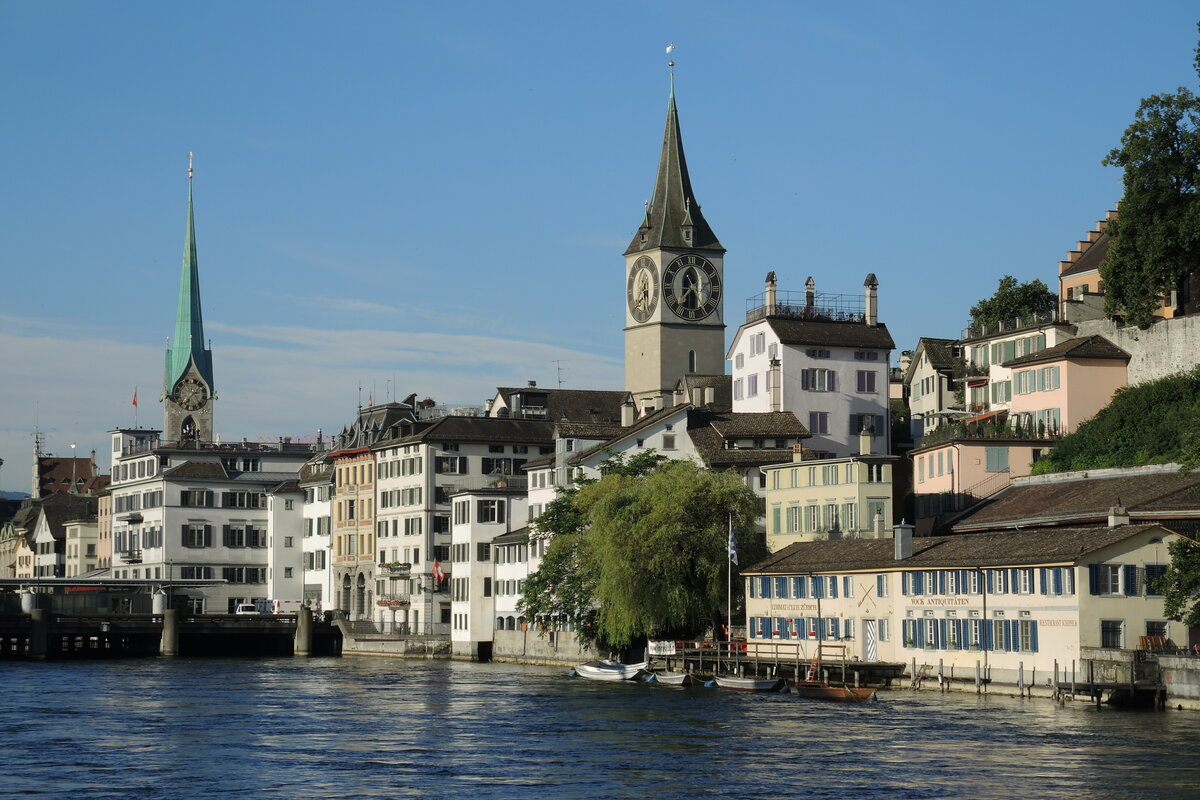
[381,728]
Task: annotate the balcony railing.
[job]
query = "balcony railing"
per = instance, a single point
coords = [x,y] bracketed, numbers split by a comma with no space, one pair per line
[1008,325]
[395,569]
[130,556]
[986,429]
[798,305]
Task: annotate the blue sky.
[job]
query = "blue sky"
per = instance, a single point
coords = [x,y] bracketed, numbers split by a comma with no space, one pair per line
[438,195]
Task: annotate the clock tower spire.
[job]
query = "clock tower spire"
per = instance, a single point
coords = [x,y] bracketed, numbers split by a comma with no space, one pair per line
[188,391]
[674,269]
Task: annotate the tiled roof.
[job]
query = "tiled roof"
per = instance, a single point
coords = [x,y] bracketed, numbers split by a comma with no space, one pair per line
[198,469]
[940,353]
[709,430]
[722,386]
[1147,493]
[55,474]
[61,508]
[572,405]
[828,333]
[1017,548]
[513,537]
[484,429]
[1090,259]
[587,430]
[624,433]
[1093,347]
[540,462]
[291,486]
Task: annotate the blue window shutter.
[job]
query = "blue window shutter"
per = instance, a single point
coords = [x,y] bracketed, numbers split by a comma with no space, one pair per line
[1058,580]
[1094,578]
[1131,579]
[879,586]
[987,633]
[752,622]
[804,379]
[905,576]
[918,583]
[1014,631]
[837,629]
[753,588]
[819,586]
[942,635]
[991,582]
[1014,580]
[963,630]
[1042,577]
[833,587]
[941,581]
[962,581]
[1033,643]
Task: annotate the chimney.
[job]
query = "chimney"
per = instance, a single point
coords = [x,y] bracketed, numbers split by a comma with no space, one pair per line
[877,525]
[902,533]
[775,379]
[1118,516]
[532,384]
[864,442]
[797,452]
[677,398]
[769,303]
[810,294]
[872,310]
[627,413]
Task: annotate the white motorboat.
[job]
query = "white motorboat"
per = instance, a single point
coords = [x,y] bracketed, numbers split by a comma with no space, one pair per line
[605,670]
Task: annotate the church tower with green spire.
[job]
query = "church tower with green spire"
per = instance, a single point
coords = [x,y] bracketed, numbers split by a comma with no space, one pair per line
[674,287]
[188,390]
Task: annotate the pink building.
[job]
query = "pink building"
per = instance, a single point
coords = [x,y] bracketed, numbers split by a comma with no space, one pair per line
[956,473]
[1057,389]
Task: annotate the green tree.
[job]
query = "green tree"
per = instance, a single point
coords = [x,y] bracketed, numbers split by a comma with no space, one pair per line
[1181,584]
[1013,300]
[1155,237]
[644,555]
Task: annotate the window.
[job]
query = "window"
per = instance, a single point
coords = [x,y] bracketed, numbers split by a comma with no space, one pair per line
[847,586]
[881,585]
[997,459]
[1025,580]
[1154,574]
[883,630]
[483,551]
[490,511]
[668,441]
[737,389]
[739,361]
[752,385]
[1112,633]
[197,536]
[195,498]
[812,353]
[866,381]
[287,572]
[1108,579]
[818,422]
[875,473]
[818,380]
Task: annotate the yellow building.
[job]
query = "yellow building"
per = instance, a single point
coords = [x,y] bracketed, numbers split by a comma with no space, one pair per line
[830,498]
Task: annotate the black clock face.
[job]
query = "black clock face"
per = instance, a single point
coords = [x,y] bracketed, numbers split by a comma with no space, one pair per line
[642,291]
[191,394]
[691,287]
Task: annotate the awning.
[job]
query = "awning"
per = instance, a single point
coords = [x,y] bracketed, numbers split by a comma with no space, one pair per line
[974,382]
[987,416]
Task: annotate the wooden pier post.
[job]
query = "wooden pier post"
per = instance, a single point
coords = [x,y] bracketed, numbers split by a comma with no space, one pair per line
[1020,678]
[168,645]
[978,677]
[302,645]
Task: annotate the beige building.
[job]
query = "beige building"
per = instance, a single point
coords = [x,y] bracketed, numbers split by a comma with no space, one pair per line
[1010,604]
[832,498]
[1057,389]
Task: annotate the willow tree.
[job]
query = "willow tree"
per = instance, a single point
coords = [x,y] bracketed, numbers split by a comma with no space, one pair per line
[651,551]
[1155,237]
[1180,586]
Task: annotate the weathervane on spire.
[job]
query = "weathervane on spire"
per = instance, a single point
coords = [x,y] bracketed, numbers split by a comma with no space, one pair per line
[670,48]
[190,165]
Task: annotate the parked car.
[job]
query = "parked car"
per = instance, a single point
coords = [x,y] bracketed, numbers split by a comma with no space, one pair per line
[246,609]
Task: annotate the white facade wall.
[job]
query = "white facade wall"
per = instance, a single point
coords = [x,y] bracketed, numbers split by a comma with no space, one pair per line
[316,547]
[988,355]
[285,528]
[834,416]
[511,570]
[472,589]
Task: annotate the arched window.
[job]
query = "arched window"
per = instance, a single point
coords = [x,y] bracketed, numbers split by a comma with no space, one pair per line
[691,360]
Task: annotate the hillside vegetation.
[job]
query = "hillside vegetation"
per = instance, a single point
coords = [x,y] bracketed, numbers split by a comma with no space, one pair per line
[1153,423]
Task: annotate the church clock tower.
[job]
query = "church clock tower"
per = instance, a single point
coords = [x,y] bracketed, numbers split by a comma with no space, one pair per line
[188,391]
[674,284]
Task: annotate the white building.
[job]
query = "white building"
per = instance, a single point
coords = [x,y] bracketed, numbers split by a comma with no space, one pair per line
[821,357]
[480,515]
[929,382]
[316,481]
[197,511]
[285,530]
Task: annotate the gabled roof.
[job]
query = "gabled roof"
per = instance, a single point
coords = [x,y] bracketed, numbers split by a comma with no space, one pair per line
[673,205]
[694,386]
[1090,259]
[1156,492]
[198,469]
[637,427]
[939,353]
[60,509]
[55,475]
[830,333]
[1088,347]
[1012,549]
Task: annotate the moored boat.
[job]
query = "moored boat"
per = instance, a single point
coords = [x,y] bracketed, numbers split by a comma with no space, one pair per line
[605,670]
[737,684]
[815,690]
[673,678]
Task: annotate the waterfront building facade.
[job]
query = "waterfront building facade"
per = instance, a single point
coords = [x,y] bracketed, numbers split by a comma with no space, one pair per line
[1013,605]
[316,482]
[285,542]
[929,381]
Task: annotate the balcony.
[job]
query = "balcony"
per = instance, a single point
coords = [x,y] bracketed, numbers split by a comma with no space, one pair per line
[395,569]
[393,600]
[993,428]
[801,305]
[130,556]
[466,483]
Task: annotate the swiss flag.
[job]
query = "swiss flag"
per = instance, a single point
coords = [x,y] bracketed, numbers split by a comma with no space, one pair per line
[438,575]
[135,396]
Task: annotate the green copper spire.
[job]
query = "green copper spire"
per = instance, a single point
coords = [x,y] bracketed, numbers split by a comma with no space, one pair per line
[188,345]
[673,219]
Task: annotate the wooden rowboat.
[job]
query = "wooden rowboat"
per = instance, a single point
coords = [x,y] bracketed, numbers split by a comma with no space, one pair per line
[737,684]
[816,690]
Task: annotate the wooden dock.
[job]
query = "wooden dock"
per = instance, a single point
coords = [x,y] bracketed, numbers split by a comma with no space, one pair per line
[705,658]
